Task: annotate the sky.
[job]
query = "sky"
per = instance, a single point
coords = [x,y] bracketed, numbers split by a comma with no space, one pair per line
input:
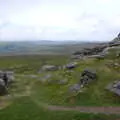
[84,20]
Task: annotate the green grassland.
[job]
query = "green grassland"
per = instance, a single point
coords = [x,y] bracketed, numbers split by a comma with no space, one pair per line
[25,109]
[27,94]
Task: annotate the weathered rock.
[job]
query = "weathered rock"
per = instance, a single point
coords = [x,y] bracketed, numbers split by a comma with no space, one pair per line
[87,76]
[71,65]
[77,57]
[91,51]
[97,50]
[114,87]
[99,56]
[49,68]
[90,73]
[63,82]
[7,76]
[3,89]
[46,78]
[85,80]
[75,88]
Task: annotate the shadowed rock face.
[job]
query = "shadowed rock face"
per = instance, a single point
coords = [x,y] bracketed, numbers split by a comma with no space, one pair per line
[3,89]
[87,76]
[6,77]
[71,65]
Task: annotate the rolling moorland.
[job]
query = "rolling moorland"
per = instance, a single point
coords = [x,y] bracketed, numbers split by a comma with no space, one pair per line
[42,47]
[41,95]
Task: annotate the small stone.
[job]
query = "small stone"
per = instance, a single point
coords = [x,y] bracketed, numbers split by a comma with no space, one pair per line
[75,88]
[49,68]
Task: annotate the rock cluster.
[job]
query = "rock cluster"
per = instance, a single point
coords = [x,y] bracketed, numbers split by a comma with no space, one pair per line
[98,51]
[91,51]
[5,79]
[86,77]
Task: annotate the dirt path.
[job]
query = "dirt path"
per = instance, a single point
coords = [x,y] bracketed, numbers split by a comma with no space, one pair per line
[82,109]
[95,110]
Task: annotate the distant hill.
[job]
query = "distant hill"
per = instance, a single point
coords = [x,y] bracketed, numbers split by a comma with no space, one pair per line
[42,47]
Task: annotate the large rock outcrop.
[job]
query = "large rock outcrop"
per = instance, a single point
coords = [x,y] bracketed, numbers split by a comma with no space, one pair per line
[100,50]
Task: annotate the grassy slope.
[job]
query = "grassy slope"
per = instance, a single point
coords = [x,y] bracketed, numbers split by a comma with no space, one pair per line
[93,95]
[25,109]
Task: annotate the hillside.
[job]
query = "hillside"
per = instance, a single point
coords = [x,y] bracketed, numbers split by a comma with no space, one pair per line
[43,85]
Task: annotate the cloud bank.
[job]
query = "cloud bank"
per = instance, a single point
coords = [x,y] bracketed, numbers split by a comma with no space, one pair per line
[59,19]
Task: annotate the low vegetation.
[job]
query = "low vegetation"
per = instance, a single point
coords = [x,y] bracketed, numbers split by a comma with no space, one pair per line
[33,89]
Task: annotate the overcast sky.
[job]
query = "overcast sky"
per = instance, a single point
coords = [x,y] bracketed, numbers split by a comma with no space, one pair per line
[59,19]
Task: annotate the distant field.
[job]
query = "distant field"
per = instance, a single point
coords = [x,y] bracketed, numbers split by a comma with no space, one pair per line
[41,47]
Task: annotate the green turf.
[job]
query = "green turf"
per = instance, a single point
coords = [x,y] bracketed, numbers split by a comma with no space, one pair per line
[93,94]
[26,109]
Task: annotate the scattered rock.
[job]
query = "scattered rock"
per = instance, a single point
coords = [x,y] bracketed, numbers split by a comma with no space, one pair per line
[114,87]
[49,68]
[75,88]
[77,57]
[87,76]
[91,51]
[90,73]
[46,78]
[99,57]
[71,65]
[63,82]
